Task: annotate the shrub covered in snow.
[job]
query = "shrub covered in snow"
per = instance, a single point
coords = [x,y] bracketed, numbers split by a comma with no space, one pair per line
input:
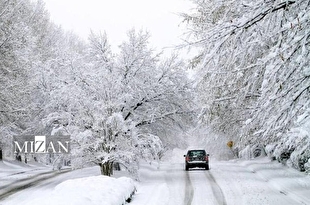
[294,147]
[245,153]
[269,149]
[253,151]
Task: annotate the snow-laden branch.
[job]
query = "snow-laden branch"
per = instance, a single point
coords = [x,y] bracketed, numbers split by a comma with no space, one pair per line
[262,15]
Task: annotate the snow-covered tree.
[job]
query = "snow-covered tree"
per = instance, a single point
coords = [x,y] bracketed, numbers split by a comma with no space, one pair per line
[126,97]
[116,107]
[20,22]
[254,81]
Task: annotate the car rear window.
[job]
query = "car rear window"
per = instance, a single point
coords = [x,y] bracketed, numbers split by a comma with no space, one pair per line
[196,153]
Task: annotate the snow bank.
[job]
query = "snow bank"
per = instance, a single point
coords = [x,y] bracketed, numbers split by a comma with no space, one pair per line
[90,190]
[250,152]
[293,149]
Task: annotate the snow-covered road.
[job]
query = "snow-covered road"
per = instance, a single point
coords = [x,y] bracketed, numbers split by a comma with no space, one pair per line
[22,184]
[254,182]
[171,184]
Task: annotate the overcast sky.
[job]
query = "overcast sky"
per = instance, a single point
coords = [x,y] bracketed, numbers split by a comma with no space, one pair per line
[116,17]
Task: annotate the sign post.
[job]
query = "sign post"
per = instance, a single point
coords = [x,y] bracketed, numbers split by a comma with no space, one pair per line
[230,144]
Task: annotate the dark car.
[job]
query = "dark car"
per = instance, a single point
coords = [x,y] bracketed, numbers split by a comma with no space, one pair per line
[196,158]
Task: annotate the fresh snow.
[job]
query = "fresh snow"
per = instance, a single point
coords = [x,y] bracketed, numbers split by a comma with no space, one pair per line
[89,190]
[258,181]
[82,186]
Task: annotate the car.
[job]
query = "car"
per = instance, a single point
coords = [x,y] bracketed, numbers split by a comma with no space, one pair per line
[196,158]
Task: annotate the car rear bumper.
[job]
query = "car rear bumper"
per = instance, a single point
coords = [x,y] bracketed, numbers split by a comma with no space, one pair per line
[193,164]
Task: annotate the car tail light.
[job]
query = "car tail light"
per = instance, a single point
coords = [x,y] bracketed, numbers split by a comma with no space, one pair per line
[207,158]
[187,158]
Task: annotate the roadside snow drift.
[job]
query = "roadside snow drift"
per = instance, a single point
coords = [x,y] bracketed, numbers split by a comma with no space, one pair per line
[89,190]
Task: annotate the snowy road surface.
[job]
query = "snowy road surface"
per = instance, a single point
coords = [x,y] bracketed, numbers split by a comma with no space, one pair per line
[254,182]
[23,183]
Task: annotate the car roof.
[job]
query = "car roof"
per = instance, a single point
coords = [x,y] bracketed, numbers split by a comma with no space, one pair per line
[197,150]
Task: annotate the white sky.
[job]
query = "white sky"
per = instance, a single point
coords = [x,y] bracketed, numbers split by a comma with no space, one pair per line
[116,17]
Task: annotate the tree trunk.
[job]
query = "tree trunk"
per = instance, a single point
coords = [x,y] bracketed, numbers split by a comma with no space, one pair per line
[0,154]
[106,168]
[116,166]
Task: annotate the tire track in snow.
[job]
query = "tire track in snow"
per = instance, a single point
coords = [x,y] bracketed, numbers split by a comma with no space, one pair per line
[24,179]
[29,182]
[217,192]
[189,191]
[216,189]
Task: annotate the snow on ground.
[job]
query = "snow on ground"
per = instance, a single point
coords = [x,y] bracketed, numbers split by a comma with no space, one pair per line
[82,186]
[13,167]
[261,181]
[89,190]
[256,182]
[13,172]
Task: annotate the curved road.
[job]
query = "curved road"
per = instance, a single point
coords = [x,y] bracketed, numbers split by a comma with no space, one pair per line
[21,184]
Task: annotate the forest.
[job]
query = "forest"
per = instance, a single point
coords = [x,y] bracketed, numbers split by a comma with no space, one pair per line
[251,85]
